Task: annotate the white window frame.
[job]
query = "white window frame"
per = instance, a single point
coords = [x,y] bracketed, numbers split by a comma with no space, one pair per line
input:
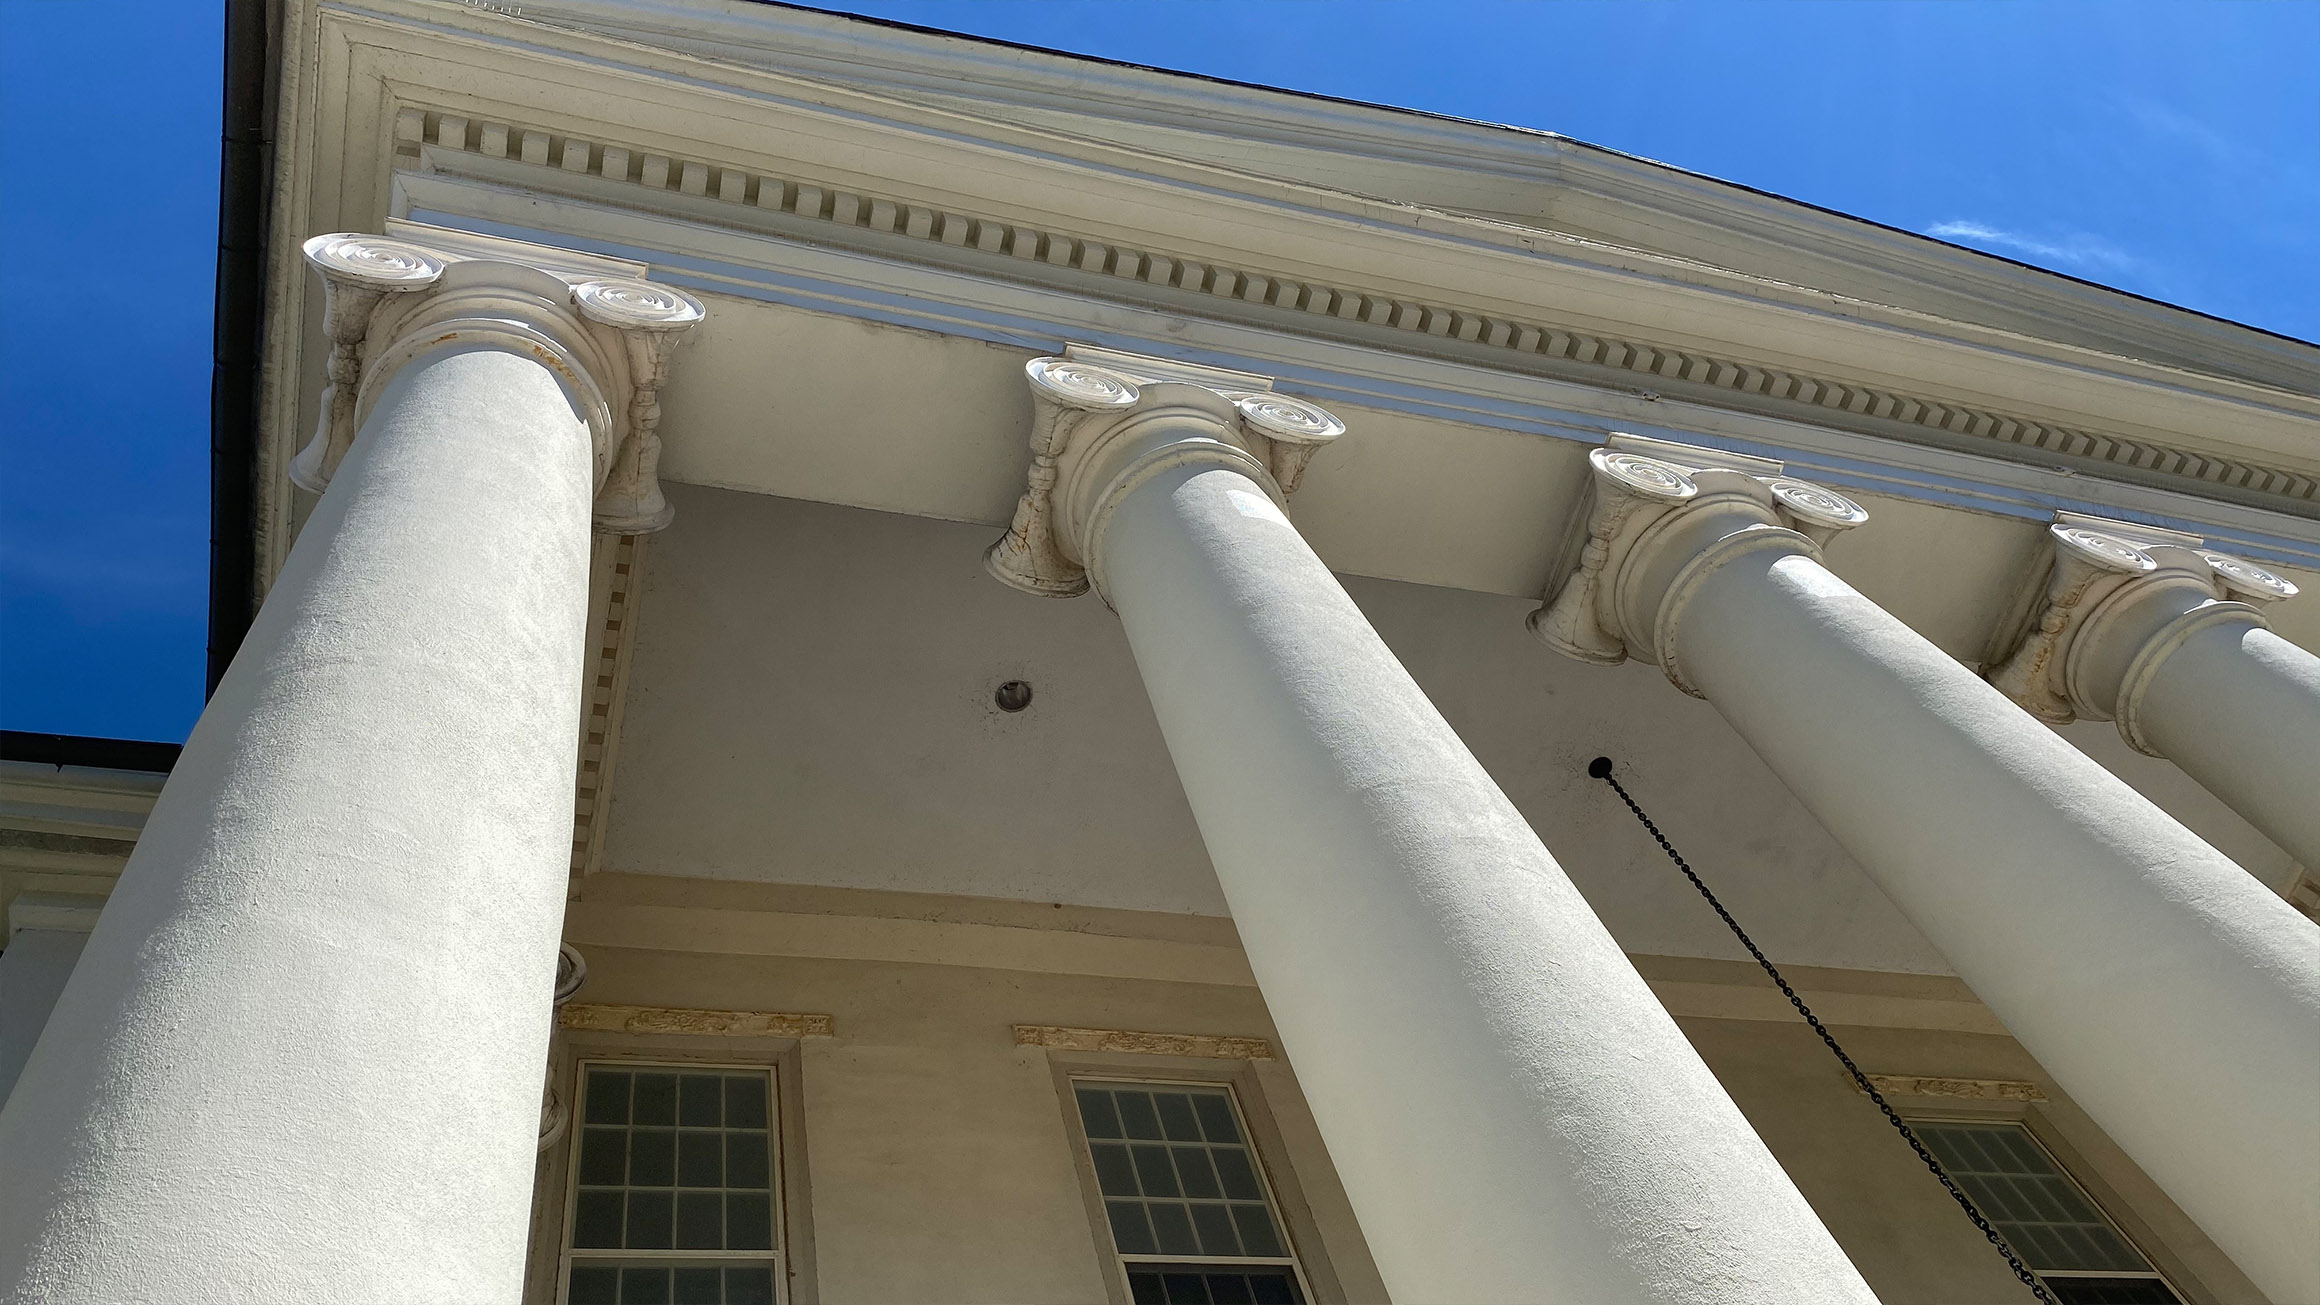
[1085,1160]
[2151,1272]
[567,1255]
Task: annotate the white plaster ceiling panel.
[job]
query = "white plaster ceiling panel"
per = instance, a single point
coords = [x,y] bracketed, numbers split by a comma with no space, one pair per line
[811,405]
[1535,719]
[1951,576]
[811,703]
[1376,501]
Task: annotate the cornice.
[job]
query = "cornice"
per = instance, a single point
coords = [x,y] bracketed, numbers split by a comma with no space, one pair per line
[1542,179]
[847,213]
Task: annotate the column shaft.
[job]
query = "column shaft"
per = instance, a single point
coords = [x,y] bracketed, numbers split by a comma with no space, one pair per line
[300,1057]
[1514,1114]
[2238,708]
[2174,997]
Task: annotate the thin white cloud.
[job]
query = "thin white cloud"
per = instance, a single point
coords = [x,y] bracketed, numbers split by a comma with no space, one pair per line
[2078,250]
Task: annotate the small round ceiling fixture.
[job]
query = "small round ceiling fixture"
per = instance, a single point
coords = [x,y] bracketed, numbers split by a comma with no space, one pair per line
[1014,695]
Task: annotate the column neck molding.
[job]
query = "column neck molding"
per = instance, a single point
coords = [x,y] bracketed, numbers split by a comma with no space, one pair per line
[2119,600]
[1104,422]
[388,302]
[1662,518]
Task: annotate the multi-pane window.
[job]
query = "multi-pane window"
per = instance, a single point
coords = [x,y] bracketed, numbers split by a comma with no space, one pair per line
[2048,1220]
[1190,1213]
[672,1188]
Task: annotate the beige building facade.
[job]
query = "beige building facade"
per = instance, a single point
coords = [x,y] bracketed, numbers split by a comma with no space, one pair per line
[897,669]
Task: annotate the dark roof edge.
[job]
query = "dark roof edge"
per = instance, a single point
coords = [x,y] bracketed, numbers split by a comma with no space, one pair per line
[245,165]
[1574,141]
[61,750]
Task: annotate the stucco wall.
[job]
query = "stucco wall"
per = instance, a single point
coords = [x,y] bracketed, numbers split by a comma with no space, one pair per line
[941,1170]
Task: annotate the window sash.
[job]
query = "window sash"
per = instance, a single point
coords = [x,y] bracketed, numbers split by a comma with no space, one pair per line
[2148,1273]
[1292,1261]
[569,1255]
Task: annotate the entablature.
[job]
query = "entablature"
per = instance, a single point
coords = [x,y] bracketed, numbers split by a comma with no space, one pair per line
[1432,329]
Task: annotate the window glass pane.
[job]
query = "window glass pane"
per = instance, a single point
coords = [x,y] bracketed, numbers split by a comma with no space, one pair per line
[655,1099]
[1196,1172]
[1131,1231]
[1154,1171]
[651,1216]
[749,1286]
[1098,1114]
[1172,1228]
[1176,1119]
[596,1219]
[1115,1173]
[644,1286]
[1216,1118]
[1137,1118]
[1257,1231]
[700,1101]
[652,1158]
[607,1096]
[1213,1221]
[748,1159]
[745,1101]
[1238,1175]
[700,1221]
[699,1286]
[700,1158]
[748,1221]
[1186,1288]
[603,1156]
[594,1284]
[2033,1204]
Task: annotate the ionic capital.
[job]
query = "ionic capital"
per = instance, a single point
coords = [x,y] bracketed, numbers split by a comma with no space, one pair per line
[387,302]
[2119,600]
[1658,523]
[1105,422]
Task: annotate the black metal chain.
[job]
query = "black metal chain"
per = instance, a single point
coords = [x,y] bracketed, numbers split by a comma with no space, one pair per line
[1600,768]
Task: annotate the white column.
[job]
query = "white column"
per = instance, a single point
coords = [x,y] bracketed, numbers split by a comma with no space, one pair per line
[1515,1117]
[300,1056]
[2167,639]
[45,934]
[2171,994]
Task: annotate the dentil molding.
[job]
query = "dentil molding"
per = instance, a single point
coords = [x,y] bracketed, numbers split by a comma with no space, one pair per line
[1104,422]
[609,341]
[2119,598]
[1660,519]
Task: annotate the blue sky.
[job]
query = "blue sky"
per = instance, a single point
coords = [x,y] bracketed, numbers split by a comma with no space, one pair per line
[2172,150]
